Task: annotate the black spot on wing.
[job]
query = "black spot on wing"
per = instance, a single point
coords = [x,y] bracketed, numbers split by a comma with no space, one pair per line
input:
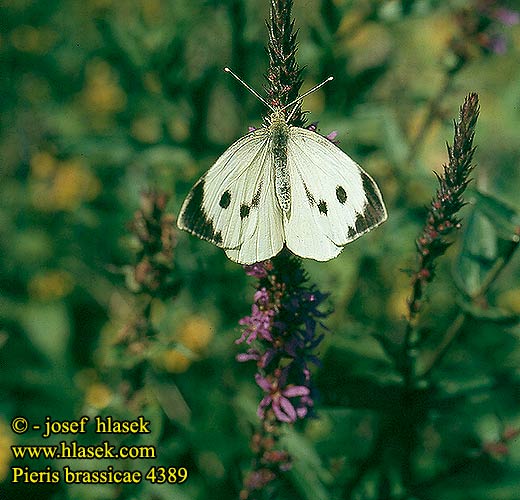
[244,211]
[322,207]
[351,233]
[225,199]
[195,219]
[341,194]
[373,210]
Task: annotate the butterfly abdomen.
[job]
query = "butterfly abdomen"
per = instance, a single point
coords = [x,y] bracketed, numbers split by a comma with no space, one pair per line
[280,135]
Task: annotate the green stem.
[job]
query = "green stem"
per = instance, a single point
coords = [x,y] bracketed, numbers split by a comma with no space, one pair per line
[456,327]
[408,367]
[451,334]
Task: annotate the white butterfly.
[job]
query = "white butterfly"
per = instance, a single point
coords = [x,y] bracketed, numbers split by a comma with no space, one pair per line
[282,185]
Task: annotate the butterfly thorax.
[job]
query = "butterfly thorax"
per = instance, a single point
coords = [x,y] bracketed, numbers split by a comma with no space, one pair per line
[279,131]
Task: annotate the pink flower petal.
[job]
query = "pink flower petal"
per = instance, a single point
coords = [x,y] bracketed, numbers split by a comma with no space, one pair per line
[284,410]
[263,383]
[296,390]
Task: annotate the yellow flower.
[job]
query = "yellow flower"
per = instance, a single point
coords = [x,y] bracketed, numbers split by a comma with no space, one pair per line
[27,38]
[73,183]
[43,165]
[98,395]
[196,333]
[61,185]
[147,129]
[50,285]
[175,362]
[102,92]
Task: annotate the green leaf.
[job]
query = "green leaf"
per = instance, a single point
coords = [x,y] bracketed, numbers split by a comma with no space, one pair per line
[358,373]
[491,314]
[492,233]
[47,327]
[479,253]
[308,471]
[481,479]
[505,218]
[394,141]
[361,354]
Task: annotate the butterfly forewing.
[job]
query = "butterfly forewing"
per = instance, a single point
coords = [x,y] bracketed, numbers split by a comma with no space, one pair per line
[333,201]
[234,206]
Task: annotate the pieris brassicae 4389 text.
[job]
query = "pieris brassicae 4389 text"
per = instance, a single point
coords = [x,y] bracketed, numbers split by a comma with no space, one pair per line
[282,185]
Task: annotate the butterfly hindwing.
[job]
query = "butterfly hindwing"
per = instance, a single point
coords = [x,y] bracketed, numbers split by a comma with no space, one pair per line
[234,206]
[333,200]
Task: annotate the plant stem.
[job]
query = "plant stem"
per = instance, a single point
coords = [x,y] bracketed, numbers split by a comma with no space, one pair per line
[456,327]
[441,221]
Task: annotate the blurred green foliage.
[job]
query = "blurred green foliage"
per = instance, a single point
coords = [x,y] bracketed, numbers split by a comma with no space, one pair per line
[101,100]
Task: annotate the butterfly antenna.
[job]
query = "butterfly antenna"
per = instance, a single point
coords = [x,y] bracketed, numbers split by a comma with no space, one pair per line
[300,97]
[253,91]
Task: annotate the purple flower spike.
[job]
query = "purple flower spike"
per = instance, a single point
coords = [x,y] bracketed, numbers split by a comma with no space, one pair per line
[498,44]
[507,17]
[283,326]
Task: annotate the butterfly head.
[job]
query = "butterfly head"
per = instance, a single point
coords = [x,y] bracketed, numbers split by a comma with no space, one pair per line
[277,117]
